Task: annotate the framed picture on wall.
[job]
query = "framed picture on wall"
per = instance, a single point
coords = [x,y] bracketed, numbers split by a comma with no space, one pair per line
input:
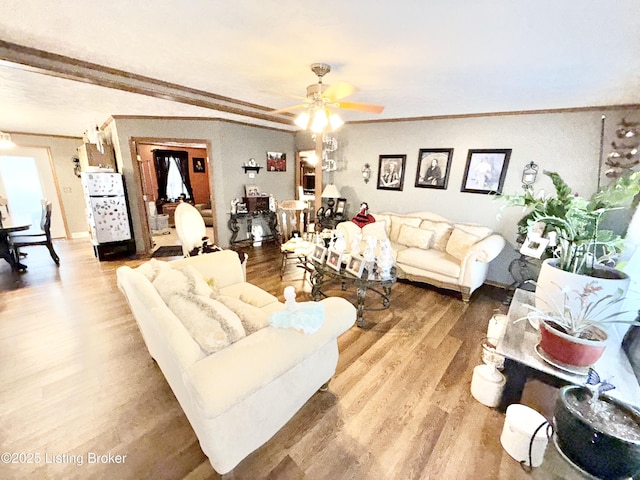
[276,162]
[391,172]
[198,165]
[485,171]
[433,167]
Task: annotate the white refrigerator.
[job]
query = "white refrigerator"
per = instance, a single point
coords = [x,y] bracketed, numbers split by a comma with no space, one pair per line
[107,213]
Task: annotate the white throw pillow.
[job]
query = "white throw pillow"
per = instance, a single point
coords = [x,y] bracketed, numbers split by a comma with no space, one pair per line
[415,237]
[375,229]
[210,323]
[460,243]
[441,233]
[182,280]
[252,317]
[397,222]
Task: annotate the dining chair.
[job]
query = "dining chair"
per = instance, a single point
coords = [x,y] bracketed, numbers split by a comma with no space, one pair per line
[190,228]
[40,238]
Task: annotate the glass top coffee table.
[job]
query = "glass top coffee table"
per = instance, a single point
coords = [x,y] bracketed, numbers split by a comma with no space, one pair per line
[323,275]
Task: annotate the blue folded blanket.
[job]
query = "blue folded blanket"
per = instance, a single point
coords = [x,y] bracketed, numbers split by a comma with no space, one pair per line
[306,317]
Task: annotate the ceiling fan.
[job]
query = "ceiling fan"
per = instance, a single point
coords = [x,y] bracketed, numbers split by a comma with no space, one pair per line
[321,98]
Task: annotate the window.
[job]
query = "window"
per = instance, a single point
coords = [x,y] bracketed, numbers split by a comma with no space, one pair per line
[175,185]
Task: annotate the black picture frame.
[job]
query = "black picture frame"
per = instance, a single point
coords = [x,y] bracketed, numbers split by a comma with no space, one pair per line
[429,175]
[341,206]
[485,171]
[391,172]
[198,165]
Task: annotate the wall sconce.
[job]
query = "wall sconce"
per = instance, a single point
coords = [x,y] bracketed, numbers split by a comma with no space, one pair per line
[366,172]
[529,175]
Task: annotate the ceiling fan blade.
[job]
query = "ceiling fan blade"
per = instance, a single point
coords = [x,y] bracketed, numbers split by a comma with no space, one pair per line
[338,90]
[362,107]
[287,109]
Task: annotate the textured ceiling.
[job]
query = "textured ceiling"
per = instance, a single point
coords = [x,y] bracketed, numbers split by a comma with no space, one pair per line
[443,57]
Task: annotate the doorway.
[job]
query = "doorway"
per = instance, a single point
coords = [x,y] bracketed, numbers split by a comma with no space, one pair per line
[26,177]
[159,230]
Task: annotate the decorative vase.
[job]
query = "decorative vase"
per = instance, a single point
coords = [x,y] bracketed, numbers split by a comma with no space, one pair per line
[570,350]
[591,441]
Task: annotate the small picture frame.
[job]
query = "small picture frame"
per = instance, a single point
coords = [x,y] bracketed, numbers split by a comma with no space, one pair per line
[198,165]
[241,208]
[276,162]
[318,253]
[355,266]
[320,212]
[391,172]
[485,171]
[433,167]
[341,206]
[334,259]
[534,246]
[251,191]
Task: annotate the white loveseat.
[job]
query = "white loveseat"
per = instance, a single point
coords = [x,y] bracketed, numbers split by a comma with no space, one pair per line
[431,249]
[237,397]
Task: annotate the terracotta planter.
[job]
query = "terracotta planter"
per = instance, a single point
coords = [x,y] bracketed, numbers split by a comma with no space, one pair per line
[584,441]
[577,352]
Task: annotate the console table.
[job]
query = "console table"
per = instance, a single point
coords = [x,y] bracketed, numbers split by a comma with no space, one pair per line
[518,343]
[269,219]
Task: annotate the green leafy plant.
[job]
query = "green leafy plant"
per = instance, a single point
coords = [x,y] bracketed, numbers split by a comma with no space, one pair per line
[581,309]
[581,243]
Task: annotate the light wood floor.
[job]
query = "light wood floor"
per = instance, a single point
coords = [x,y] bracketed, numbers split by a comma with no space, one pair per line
[75,378]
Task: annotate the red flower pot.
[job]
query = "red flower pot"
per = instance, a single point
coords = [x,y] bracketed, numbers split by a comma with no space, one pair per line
[578,352]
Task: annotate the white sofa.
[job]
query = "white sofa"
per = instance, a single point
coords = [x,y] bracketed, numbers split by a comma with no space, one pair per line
[239,396]
[431,249]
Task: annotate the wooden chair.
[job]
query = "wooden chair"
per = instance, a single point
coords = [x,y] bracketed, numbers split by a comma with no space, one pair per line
[40,238]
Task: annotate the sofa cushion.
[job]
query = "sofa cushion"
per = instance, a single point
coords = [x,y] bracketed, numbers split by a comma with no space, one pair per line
[460,242]
[386,218]
[152,268]
[376,229]
[441,232]
[430,261]
[479,231]
[252,317]
[398,221]
[183,279]
[210,323]
[415,237]
[249,293]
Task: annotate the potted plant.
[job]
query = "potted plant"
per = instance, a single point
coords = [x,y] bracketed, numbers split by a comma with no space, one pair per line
[579,249]
[598,433]
[576,336]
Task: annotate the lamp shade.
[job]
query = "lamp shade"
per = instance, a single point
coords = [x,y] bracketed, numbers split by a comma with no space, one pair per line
[331,191]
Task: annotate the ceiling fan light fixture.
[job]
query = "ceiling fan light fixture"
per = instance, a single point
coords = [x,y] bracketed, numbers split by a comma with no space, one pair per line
[335,121]
[320,121]
[302,120]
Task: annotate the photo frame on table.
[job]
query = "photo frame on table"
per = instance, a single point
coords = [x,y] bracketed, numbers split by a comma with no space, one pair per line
[334,259]
[433,167]
[391,172]
[318,253]
[251,191]
[198,165]
[276,162]
[355,266]
[485,171]
[341,206]
[534,246]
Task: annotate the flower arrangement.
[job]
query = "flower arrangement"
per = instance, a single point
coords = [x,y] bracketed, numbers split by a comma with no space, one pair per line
[580,242]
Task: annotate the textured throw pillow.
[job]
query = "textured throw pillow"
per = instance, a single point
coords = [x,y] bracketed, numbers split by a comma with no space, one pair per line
[460,243]
[210,323]
[182,280]
[376,229]
[252,317]
[415,237]
[477,230]
[397,222]
[441,232]
[151,268]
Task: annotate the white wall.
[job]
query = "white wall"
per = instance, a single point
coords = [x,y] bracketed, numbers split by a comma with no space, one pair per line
[568,143]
